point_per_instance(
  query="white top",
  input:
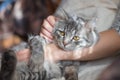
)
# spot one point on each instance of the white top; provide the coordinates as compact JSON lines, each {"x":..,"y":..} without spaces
{"x":105,"y":10}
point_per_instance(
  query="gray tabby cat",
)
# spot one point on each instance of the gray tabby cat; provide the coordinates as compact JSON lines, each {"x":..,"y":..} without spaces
{"x":71,"y":33}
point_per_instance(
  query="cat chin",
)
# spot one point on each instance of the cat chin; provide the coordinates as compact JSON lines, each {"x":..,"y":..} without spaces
{"x":73,"y":48}
{"x":64,"y":48}
{"x":68,"y":49}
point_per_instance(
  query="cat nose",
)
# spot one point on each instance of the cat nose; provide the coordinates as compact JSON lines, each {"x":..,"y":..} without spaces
{"x":64,"y":42}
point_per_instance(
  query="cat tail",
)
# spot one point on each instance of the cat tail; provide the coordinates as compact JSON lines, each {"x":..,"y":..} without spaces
{"x":8,"y":65}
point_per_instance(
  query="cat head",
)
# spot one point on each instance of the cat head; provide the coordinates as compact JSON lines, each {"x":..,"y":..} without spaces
{"x":75,"y":32}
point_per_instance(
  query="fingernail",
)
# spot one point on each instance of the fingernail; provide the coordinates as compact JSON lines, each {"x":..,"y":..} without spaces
{"x":51,"y":20}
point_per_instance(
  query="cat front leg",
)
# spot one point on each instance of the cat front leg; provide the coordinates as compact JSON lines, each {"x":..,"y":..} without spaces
{"x":36,"y":61}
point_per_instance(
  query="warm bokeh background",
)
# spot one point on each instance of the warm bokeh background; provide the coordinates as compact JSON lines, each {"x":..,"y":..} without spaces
{"x":14,"y":30}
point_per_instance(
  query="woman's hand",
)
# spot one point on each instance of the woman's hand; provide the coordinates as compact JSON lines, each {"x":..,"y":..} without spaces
{"x":47,"y":28}
{"x":23,"y":55}
{"x":46,"y":32}
{"x":53,"y":53}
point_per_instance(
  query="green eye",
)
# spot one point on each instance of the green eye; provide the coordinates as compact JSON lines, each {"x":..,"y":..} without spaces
{"x":76,"y":38}
{"x":62,"y":33}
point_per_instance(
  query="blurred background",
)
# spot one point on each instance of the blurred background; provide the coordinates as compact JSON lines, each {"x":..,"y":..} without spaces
{"x":18,"y":18}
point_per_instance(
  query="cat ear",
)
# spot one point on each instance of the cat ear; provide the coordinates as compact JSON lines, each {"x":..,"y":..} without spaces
{"x":60,"y":23}
{"x":80,"y":20}
{"x":64,"y":14}
{"x":91,"y":24}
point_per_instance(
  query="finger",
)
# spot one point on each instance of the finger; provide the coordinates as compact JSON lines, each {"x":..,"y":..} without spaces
{"x":51,"y":20}
{"x":46,"y":33}
{"x":25,"y":59}
{"x":23,"y":54}
{"x":47,"y":26}
{"x":49,"y":40}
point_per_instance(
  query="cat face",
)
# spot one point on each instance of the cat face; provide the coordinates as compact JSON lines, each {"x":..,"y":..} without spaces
{"x":74,"y":33}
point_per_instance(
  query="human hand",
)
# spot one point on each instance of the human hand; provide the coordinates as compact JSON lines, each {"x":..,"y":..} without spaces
{"x":47,"y":28}
{"x":23,"y":55}
{"x":54,"y":54}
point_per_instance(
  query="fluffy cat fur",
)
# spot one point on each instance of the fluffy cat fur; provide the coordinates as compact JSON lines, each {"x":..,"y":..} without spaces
{"x":74,"y":32}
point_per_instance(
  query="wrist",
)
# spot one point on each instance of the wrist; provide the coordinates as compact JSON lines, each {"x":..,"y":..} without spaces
{"x":54,"y":53}
{"x":66,"y":55}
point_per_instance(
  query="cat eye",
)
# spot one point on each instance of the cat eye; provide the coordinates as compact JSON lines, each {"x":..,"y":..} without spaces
{"x":62,"y":33}
{"x":76,"y":38}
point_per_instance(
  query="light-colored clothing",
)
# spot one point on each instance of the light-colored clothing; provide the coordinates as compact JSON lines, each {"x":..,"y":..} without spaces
{"x":105,"y":10}
{"x":116,"y":23}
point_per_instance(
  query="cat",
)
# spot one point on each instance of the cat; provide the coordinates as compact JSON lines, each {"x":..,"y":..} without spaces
{"x":72,"y":33}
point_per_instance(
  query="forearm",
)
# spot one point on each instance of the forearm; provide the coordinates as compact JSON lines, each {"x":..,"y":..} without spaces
{"x":108,"y":45}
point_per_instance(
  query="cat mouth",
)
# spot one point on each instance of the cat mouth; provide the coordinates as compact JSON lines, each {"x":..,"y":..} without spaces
{"x":66,"y":47}
{"x":69,"y":48}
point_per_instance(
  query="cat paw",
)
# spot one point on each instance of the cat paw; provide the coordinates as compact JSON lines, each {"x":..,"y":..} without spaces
{"x":8,"y":65}
{"x":9,"y":60}
{"x":37,"y":53}
{"x":36,"y":42}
